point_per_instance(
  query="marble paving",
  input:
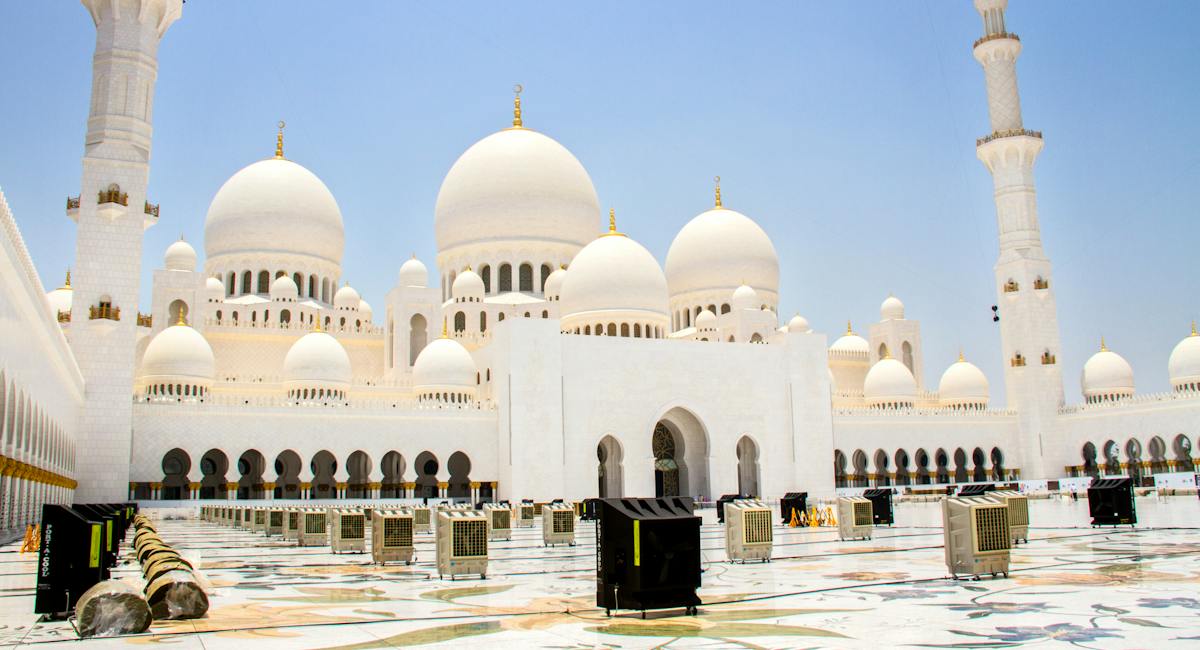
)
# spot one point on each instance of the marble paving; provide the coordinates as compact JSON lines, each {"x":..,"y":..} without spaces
{"x":1070,"y":586}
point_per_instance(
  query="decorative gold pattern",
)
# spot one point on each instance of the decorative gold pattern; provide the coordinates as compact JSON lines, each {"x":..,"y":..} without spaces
{"x":717,"y":198}
{"x":517,"y":123}
{"x":279,"y":141}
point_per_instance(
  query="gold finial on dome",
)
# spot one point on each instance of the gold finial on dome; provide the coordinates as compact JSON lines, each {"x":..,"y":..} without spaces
{"x":1193,"y":322}
{"x":318,"y":327}
{"x":279,"y":141}
{"x":445,"y":334}
{"x":1103,"y":347}
{"x":717,"y":182}
{"x":612,"y":225}
{"x":67,"y":285}
{"x":887,"y":353}
{"x":849,"y":330}
{"x":517,"y":124}
{"x":961,"y":358}
{"x":182,"y":320}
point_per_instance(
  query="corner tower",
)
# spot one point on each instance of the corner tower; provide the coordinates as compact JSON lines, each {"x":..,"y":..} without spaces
{"x":1028,"y":316}
{"x":112,"y":211}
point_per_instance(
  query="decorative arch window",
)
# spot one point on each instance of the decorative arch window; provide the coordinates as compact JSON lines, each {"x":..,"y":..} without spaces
{"x":1011,"y":286}
{"x":247,"y":282}
{"x":545,"y":313}
{"x":505,"y":279}
{"x":485,"y":273}
{"x":483,"y":321}
{"x":612,"y":329}
{"x":637,"y":330}
{"x":264,"y":282}
{"x":725,"y":308}
{"x":500,"y":317}
{"x":1018,"y":361}
{"x":526,"y":277}
{"x":460,"y":322}
{"x":1041,"y":283}
{"x":1048,"y":359}
{"x":545,"y":275}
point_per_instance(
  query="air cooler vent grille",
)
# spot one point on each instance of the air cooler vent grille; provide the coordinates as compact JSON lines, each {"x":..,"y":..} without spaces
{"x":756,"y":526}
{"x":1018,"y":511}
{"x":353,"y":526}
{"x":314,"y":523}
{"x":276,"y":519}
{"x":564,"y":521}
{"x":501,"y":519}
{"x":421,"y":516}
{"x":862,"y":514}
{"x":397,"y":532}
{"x":991,"y":529}
{"x":470,"y":538}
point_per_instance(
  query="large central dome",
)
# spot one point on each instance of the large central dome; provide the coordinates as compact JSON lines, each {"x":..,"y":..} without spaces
{"x":516,"y":186}
{"x":274,"y":207}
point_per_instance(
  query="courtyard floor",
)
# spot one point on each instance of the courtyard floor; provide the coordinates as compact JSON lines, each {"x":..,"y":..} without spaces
{"x":1071,"y":585}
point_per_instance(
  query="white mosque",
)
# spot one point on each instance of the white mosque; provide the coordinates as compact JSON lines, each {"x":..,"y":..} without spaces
{"x":548,"y":354}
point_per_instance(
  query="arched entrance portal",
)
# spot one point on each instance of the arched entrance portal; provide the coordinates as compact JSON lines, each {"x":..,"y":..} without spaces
{"x":747,"y":457}
{"x":680,"y":447}
{"x":610,"y":455}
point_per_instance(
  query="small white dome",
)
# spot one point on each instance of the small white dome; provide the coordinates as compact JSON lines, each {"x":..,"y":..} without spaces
{"x":889,"y":382}
{"x":444,"y":366}
{"x":60,"y":298}
{"x":516,"y":185}
{"x":215,"y":288}
{"x":613,"y":276}
{"x":798,"y":324}
{"x":467,"y":287}
{"x":364,"y":308}
{"x":963,"y":384}
{"x":271,"y":207}
{"x":744,"y":297}
{"x":346,"y":298}
{"x":850,"y":344}
{"x":414,"y":274}
{"x":719,"y":249}
{"x":316,"y":360}
{"x":1184,"y":364}
{"x":891,"y":309}
{"x":706,"y":321}
{"x":180,"y":256}
{"x":284,"y":288}
{"x":554,"y":283}
{"x":1106,"y":375}
{"x":178,"y":355}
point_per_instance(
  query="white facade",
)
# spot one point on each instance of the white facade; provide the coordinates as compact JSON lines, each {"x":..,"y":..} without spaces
{"x":548,"y":358}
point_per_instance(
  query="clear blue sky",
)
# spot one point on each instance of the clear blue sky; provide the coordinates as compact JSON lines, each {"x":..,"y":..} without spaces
{"x":846,"y":130}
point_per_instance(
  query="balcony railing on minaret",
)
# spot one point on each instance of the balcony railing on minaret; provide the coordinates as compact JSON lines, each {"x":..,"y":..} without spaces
{"x":104,"y":311}
{"x":1008,"y":133}
{"x":113,"y":195}
{"x":151,"y":209}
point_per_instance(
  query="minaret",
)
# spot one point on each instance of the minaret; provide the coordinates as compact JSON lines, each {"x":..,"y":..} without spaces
{"x":1028,"y":317}
{"x":112,"y":211}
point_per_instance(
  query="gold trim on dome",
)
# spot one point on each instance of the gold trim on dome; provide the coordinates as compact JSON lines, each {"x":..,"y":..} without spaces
{"x":67,"y":285}
{"x":849,"y":330}
{"x":1193,"y":322}
{"x":1103,"y":347}
{"x":961,"y":358}
{"x":717,"y":197}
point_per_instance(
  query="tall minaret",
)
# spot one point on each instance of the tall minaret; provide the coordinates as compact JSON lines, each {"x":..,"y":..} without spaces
{"x":112,"y":212}
{"x":1024,"y":282}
